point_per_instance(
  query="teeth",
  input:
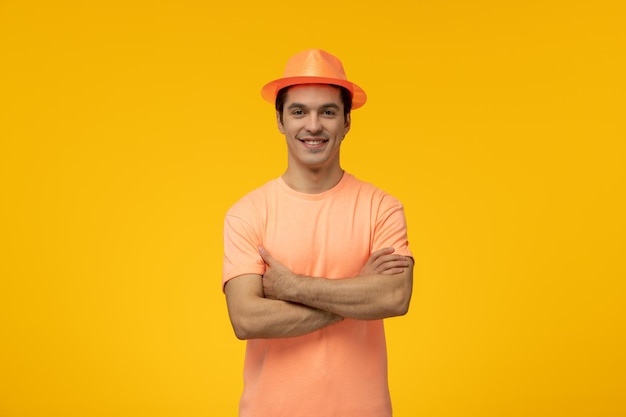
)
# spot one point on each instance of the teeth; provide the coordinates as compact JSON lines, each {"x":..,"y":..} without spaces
{"x":313,"y":142}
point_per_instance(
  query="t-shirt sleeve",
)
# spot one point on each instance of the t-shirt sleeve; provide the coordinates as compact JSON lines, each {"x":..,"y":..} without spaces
{"x":241,"y":254}
{"x":391,"y":229}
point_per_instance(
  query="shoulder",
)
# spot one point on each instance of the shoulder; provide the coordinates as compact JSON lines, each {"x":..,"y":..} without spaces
{"x":371,"y":192}
{"x":253,"y":201}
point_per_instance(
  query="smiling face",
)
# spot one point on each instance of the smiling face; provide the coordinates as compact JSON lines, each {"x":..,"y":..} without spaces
{"x":314,"y":125}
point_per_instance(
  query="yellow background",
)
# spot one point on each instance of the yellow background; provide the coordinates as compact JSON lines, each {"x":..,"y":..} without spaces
{"x":129,"y":127}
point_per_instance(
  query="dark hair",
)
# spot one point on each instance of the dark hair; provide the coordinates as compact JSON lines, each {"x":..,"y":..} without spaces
{"x":346,"y":98}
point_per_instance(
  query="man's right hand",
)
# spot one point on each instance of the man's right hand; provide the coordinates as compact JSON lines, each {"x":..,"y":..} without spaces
{"x":385,"y":262}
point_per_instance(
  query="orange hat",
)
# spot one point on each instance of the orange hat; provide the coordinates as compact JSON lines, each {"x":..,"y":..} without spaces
{"x":314,"y":66}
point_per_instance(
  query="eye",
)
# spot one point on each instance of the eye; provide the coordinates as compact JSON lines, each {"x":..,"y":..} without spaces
{"x":297,"y":112}
{"x":329,"y":113}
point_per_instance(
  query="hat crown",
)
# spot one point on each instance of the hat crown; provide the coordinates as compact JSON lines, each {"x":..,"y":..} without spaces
{"x":314,"y":66}
{"x":315,"y":63}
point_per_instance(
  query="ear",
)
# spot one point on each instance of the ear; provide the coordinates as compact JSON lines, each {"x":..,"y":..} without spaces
{"x":347,"y":124}
{"x":279,"y":123}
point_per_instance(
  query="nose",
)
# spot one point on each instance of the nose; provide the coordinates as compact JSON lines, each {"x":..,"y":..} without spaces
{"x":313,"y":123}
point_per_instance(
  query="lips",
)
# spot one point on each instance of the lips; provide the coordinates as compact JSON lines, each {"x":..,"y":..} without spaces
{"x":314,"y":141}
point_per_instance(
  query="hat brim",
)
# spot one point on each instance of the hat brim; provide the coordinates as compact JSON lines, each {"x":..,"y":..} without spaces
{"x":269,"y":90}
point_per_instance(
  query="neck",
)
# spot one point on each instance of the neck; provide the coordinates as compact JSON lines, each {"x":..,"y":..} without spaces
{"x":313,"y":181}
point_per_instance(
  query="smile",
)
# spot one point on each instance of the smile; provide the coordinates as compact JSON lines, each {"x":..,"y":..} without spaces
{"x":313,"y":142}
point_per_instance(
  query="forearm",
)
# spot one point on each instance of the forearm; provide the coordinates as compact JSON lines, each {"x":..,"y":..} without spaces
{"x":364,"y":298}
{"x":275,"y":318}
{"x":256,"y":317}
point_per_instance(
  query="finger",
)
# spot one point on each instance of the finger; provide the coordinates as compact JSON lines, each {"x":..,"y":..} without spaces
{"x":392,"y":271}
{"x":396,"y":264}
{"x":392,"y":258}
{"x":377,"y":257}
{"x":382,"y":252}
{"x":400,"y":260}
{"x":267,"y":258}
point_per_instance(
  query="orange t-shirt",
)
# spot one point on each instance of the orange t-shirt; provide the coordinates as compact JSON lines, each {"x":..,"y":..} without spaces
{"x":340,"y":370}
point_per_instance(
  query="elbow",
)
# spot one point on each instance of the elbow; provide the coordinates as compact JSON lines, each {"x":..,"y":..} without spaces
{"x":240,"y":333}
{"x":243,"y":330}
{"x":392,"y":304}
{"x":403,"y":307}
{"x":394,"y":308}
{"x":403,"y":294}
{"x":400,"y":307}
{"x":401,"y":301}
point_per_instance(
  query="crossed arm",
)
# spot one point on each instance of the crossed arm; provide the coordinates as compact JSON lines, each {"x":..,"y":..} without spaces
{"x":284,"y":304}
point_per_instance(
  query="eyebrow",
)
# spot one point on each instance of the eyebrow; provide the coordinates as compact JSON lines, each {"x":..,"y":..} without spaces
{"x":323,"y":106}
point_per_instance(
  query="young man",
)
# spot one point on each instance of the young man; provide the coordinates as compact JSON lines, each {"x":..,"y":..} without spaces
{"x":314,"y":260}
